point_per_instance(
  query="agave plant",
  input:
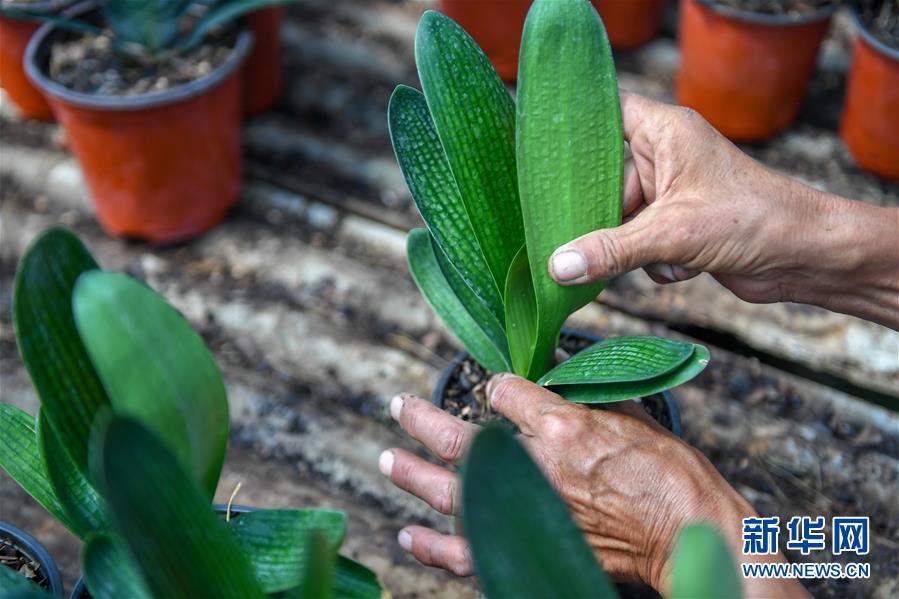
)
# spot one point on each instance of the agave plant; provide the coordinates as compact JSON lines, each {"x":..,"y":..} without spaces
{"x":103,"y":348}
{"x":151,"y":31}
{"x":524,"y":542}
{"x":500,"y":186}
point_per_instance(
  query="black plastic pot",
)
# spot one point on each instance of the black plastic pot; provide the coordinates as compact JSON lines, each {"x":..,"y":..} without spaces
{"x":664,"y":411}
{"x":28,"y":545}
{"x":80,"y":591}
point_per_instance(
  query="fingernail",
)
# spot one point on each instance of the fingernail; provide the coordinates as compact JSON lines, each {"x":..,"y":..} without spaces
{"x":568,"y":265}
{"x":396,"y":406}
{"x":385,"y":462}
{"x":491,"y":386}
{"x":405,"y":540}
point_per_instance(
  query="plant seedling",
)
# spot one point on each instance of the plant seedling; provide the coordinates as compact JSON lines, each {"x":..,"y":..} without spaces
{"x":111,"y":359}
{"x":500,"y":186}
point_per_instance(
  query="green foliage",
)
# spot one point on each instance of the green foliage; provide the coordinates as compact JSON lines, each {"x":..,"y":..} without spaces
{"x":109,"y":572}
{"x":16,"y":586}
{"x":501,"y":187}
{"x":702,"y":565}
{"x":152,"y":31}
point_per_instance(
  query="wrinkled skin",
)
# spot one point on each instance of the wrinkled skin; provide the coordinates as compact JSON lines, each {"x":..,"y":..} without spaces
{"x":631,"y":485}
{"x":693,"y":202}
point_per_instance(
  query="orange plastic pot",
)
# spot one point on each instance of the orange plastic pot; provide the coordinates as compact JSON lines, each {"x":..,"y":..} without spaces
{"x":869,"y":126}
{"x":263,"y":71}
{"x":163,"y":166}
{"x":746,"y":73}
{"x":631,"y":23}
{"x":14,"y":37}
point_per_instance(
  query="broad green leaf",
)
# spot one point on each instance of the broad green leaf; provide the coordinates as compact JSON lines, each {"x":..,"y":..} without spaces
{"x":155,"y":369}
{"x":431,"y":183}
{"x":570,"y":148}
{"x":317,"y":575}
{"x":222,"y":12}
{"x":523,"y":539}
{"x":59,"y":366}
{"x":150,"y":24}
{"x":81,"y":502}
{"x":620,"y":360}
{"x":352,"y":580}
{"x":703,"y":566}
{"x":475,"y":119}
{"x":609,"y":392}
{"x":437,"y":291}
{"x":15,"y":586}
{"x":109,"y":572}
{"x":521,"y":314}
{"x":20,"y":458}
{"x":181,"y":547}
{"x":273,"y":540}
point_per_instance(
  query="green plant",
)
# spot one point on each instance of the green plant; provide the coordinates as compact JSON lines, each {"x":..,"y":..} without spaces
{"x":501,"y":186}
{"x":103,"y":348}
{"x":152,"y":31}
{"x":524,"y":542}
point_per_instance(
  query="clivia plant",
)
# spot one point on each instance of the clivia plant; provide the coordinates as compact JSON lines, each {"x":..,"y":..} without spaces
{"x":500,"y":185}
{"x":128,"y":444}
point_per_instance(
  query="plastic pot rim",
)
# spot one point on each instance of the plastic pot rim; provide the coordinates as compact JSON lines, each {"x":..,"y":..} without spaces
{"x":754,"y":18}
{"x":174,"y":95}
{"x":868,"y":37}
{"x":37,"y":552}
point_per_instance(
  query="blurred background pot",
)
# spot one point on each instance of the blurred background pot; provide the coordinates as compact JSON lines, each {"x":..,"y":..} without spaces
{"x":263,"y":73}
{"x":496,"y":25}
{"x":162,"y":166}
{"x":746,"y":73}
{"x":870,"y":124}
{"x":16,"y":543}
{"x":14,"y":37}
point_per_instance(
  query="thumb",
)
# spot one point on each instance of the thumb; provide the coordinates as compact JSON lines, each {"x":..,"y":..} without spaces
{"x":607,"y":253}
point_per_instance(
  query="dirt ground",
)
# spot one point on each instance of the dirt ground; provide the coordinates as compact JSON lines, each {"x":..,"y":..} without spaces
{"x":305,"y":299}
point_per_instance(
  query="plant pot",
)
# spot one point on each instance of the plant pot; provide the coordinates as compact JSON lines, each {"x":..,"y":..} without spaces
{"x":631,"y":23}
{"x":496,"y":25}
{"x":869,"y":126}
{"x":263,"y":73}
{"x":14,"y":37}
{"x":27,"y":546}
{"x":746,"y":73}
{"x":661,"y":406}
{"x":162,"y":166}
{"x":80,"y":590}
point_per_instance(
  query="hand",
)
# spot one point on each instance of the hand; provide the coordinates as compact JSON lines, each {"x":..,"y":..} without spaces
{"x":693,"y":202}
{"x":630,"y":484}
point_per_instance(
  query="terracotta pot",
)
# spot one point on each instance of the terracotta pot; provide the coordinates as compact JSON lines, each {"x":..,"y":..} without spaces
{"x":746,"y":73}
{"x":631,"y":23}
{"x":163,"y":166}
{"x":496,"y":25}
{"x":263,"y":72}
{"x":869,"y":126}
{"x":14,"y":36}
{"x":24,"y":543}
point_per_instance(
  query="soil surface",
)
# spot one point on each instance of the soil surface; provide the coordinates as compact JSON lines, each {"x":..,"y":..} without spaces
{"x":778,"y":7}
{"x":881,"y":18}
{"x":88,"y":64}
{"x":465,"y":395}
{"x":12,"y":557}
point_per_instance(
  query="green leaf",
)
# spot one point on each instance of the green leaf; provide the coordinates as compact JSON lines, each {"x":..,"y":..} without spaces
{"x":432,"y":283}
{"x":15,"y":586}
{"x":182,"y":548}
{"x":222,"y":12}
{"x":475,"y":119}
{"x":109,"y":572}
{"x":352,"y":580}
{"x":59,"y":366}
{"x":20,"y":457}
{"x":81,"y":502}
{"x":619,"y":360}
{"x":521,"y":314}
{"x":150,"y":24}
{"x":273,"y":540}
{"x":570,"y":148}
{"x":609,"y":392}
{"x":317,"y":575}
{"x":523,"y":540}
{"x":703,"y":566}
{"x":431,"y":183}
{"x":156,"y":369}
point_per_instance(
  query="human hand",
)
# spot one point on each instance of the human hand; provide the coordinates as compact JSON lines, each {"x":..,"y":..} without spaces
{"x":630,"y":484}
{"x":693,"y":202}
